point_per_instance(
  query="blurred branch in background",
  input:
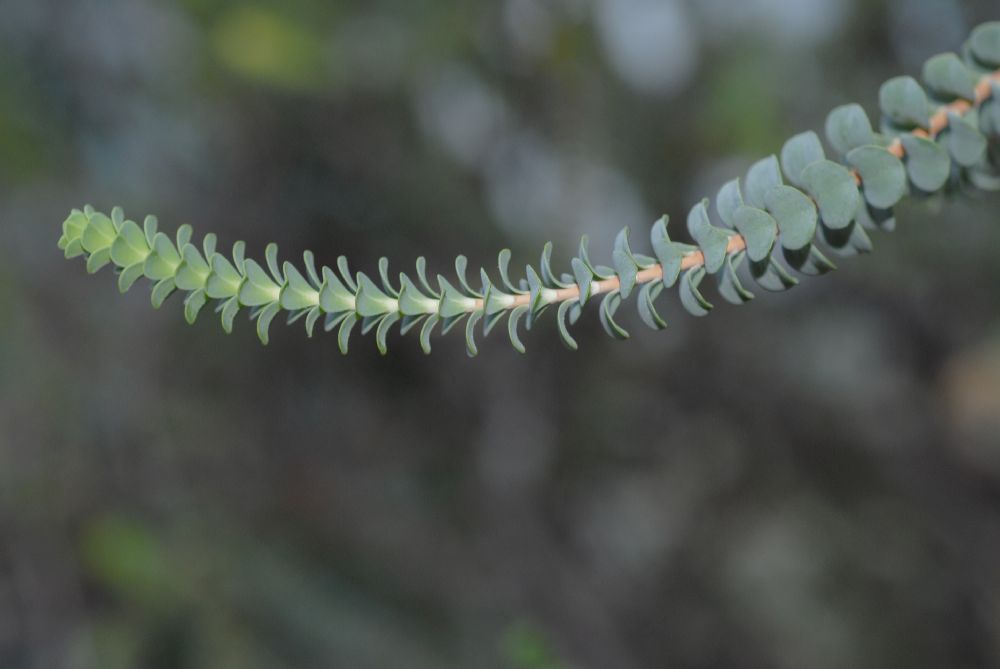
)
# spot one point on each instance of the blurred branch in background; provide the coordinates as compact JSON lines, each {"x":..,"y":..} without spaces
{"x":169,"y":502}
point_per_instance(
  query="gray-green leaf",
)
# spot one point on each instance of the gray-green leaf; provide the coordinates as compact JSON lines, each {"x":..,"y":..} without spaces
{"x":795,"y":214}
{"x":836,"y":193}
{"x":904,"y":102}
{"x":883,"y":177}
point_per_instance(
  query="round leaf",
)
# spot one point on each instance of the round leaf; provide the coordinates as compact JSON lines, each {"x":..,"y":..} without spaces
{"x":848,"y":127}
{"x":759,"y":229}
{"x":729,"y":199}
{"x":965,"y":143}
{"x":713,"y":241}
{"x":949,"y":77}
{"x":691,"y":296}
{"x":927,"y":163}
{"x":836,"y":194}
{"x":795,"y":214}
{"x":904,"y":102}
{"x":798,"y":153}
{"x":761,"y":177}
{"x":883,"y":177}
{"x":985,"y":43}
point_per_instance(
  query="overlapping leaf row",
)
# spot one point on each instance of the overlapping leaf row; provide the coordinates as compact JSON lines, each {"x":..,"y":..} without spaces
{"x":773,"y":221}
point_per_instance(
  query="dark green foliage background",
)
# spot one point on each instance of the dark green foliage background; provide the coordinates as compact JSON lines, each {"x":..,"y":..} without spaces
{"x":810,"y":481}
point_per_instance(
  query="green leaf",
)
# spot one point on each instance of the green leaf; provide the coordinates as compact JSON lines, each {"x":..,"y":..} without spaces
{"x":256,"y":275}
{"x":904,"y":102}
{"x":193,"y":304}
{"x":163,"y":260}
{"x":490,"y":321}
{"x":294,"y":316}
{"x":74,"y":248}
{"x":208,"y":245}
{"x":877,"y":219}
{"x":334,"y":297}
{"x":426,"y":331}
{"x":73,"y":227}
{"x":795,"y":214}
{"x":847,"y":128}
{"x":770,"y":275}
{"x":563,"y":328}
{"x":161,"y":291}
{"x":264,"y":321}
{"x":130,"y":246}
{"x":949,"y":78}
{"x":258,"y":289}
{"x":535,"y":290}
{"x":149,"y":226}
{"x":239,"y":256}
{"x":584,"y":279}
{"x":799,"y":153}
{"x":494,"y":299}
{"x":297,"y":292}
{"x":986,"y":180}
{"x":730,"y":286}
{"x":192,"y":274}
{"x":229,"y":310}
{"x":836,"y":193}
{"x":371,"y":301}
{"x":414,"y":303}
{"x":453,"y":302}
{"x":989,"y":112}
{"x":117,"y":217}
{"x":461,"y":264}
{"x":761,"y":178}
{"x":985,"y":44}
{"x":390,"y":290}
{"x":410,"y":322}
{"x":385,"y":324}
{"x":224,"y":281}
{"x":713,"y":241}
{"x":927,"y":163}
{"x":512,"y":323}
{"x":98,"y":259}
{"x":183,"y":236}
{"x":311,"y":319}
{"x":609,"y":305}
{"x":759,"y":229}
{"x":470,"y":333}
{"x":345,"y":330}
{"x":809,"y":261}
{"x":545,"y":267}
{"x":624,"y":263}
{"x":691,"y":296}
{"x":964,"y":141}
{"x":99,"y":233}
{"x":447,"y":324}
{"x":503,"y":262}
{"x":728,"y":200}
{"x":848,"y":241}
{"x":193,"y":258}
{"x":129,"y":276}
{"x":575,"y":311}
{"x":670,"y":254}
{"x":599,"y":271}
{"x":860,"y":241}
{"x":883,"y":177}
{"x":311,"y":272}
{"x":422,"y":277}
{"x":647,"y":309}
{"x":345,"y":273}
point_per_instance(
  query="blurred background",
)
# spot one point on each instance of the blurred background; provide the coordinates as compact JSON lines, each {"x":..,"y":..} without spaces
{"x":810,"y":481}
